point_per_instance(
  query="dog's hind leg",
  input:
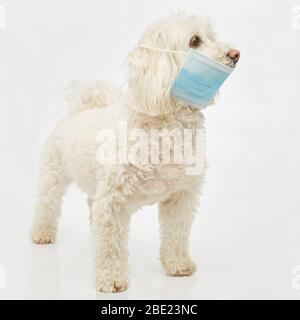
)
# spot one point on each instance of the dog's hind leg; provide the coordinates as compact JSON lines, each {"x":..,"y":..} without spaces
{"x":53,"y":182}
{"x":176,"y":216}
{"x":89,"y":203}
{"x":111,"y":212}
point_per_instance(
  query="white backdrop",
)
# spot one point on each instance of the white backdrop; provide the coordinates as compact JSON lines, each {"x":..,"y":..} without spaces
{"x":246,"y":238}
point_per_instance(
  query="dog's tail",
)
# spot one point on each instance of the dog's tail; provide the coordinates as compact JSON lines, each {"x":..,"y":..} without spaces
{"x":83,"y":95}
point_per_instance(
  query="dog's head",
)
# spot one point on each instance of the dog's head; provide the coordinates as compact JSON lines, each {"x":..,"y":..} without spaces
{"x":152,"y":72}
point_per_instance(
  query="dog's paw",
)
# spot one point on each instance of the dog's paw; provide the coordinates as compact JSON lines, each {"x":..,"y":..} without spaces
{"x":111,"y":286}
{"x":43,"y":234}
{"x":179,"y":268}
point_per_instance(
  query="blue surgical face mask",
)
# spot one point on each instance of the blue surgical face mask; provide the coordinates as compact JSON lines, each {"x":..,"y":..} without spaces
{"x":199,"y":79}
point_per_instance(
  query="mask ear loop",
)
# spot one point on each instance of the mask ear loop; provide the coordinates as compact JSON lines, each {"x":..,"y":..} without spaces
{"x":185,"y":53}
{"x":162,"y":49}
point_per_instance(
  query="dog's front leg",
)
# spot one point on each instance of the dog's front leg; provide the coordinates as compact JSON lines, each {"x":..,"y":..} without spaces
{"x":176,"y":216}
{"x":110,"y":225}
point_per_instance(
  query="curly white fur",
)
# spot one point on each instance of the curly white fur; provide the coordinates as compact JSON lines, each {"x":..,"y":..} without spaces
{"x":115,"y":192}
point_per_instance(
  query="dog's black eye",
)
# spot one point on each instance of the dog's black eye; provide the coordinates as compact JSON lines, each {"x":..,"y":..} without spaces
{"x":195,"y":42}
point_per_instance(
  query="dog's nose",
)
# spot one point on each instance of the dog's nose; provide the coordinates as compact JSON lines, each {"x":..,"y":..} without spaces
{"x":234,"y":55}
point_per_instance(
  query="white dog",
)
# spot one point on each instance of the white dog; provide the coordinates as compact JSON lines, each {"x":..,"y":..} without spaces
{"x":116,"y":191}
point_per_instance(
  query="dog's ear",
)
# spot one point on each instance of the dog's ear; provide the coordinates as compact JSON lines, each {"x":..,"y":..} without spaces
{"x":151,"y":74}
